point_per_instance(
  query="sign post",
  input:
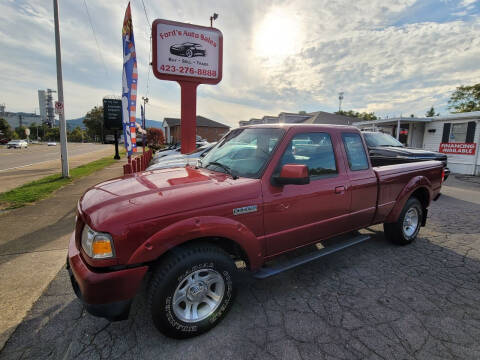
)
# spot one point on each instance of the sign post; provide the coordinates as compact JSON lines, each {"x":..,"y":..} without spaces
{"x":190,"y":55}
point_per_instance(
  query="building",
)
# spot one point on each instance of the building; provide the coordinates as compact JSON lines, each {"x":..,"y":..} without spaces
{"x":16,"y":119}
{"x":207,"y":129}
{"x":457,"y":135}
{"x":411,"y":129}
{"x":317,"y":117}
{"x":42,"y":105}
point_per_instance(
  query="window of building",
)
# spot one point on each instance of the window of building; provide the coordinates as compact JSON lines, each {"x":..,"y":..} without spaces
{"x":315,"y":150}
{"x":458,"y":133}
{"x":357,"y":158}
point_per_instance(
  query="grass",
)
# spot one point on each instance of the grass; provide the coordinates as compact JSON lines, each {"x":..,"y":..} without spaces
{"x":40,"y":189}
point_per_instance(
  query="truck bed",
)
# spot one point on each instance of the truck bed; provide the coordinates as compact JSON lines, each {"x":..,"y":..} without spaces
{"x":393,"y":180}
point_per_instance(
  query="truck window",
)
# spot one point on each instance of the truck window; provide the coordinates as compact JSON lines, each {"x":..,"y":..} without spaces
{"x":314,"y":150}
{"x":357,"y":158}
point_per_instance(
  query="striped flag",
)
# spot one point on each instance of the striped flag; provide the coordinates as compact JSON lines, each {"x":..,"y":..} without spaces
{"x":129,"y":84}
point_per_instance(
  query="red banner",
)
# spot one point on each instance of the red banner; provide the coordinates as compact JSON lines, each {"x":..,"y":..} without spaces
{"x":458,"y":148}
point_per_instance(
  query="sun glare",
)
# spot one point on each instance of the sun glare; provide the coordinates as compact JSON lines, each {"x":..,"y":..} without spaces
{"x":278,"y":35}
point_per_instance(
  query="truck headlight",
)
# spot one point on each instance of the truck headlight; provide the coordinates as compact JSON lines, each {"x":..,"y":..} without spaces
{"x":97,"y":245}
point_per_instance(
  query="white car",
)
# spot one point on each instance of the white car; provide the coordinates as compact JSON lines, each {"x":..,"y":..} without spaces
{"x":180,"y":160}
{"x":17,"y":144}
{"x":52,"y":143}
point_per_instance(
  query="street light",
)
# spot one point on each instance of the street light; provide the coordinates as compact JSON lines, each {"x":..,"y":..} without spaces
{"x":213,"y":17}
{"x":340,"y":98}
{"x":144,"y":127}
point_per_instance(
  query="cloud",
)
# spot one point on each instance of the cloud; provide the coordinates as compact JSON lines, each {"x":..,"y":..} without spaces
{"x":397,"y":57}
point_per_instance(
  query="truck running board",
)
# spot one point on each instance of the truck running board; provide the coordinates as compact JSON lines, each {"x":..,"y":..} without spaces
{"x":265,"y":272}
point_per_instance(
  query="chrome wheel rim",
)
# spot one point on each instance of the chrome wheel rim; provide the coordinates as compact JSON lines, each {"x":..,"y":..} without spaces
{"x":198,"y":295}
{"x":410,"y":222}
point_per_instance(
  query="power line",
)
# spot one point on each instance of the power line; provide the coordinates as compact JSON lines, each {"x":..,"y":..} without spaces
{"x":95,"y":37}
{"x":146,"y":15}
{"x":150,"y":46}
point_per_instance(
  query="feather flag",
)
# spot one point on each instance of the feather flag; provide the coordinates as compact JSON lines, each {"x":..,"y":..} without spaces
{"x":129,"y":84}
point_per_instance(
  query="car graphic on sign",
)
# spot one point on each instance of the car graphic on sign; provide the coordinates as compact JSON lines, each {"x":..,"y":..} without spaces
{"x":188,"y":50}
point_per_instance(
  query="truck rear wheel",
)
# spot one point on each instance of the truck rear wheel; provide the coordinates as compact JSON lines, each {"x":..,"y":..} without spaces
{"x":192,"y":290}
{"x":406,"y":229}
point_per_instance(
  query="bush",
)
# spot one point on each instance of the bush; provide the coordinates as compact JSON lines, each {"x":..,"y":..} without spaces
{"x":155,"y":138}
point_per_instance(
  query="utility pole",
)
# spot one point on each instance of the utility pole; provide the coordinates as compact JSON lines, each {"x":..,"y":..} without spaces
{"x":340,"y":99}
{"x":63,"y":127}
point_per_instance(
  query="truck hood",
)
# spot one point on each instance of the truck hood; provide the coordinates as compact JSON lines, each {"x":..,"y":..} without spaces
{"x":153,"y":194}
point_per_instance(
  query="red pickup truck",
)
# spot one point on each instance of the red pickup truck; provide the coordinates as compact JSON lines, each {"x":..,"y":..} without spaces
{"x":260,"y":192}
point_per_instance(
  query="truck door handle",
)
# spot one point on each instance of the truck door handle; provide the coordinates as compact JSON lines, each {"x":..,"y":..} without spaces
{"x":339,"y":189}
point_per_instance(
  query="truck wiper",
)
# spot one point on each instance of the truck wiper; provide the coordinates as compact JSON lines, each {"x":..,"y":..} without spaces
{"x":224,"y":167}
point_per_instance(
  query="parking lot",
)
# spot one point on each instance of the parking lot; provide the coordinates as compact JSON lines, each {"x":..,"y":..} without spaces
{"x":372,"y":301}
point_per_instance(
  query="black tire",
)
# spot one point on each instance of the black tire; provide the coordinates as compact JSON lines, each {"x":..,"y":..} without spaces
{"x":189,"y":53}
{"x":396,"y":232}
{"x":174,"y":271}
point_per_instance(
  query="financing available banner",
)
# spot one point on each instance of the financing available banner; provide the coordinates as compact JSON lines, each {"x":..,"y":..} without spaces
{"x":458,"y":148}
{"x":129,"y":84}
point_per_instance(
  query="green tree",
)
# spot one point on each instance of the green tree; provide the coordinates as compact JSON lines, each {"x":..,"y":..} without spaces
{"x":430,"y":113}
{"x":76,"y":135}
{"x":20,"y":130}
{"x":94,"y":122}
{"x":352,"y":113}
{"x":5,"y":129}
{"x":465,"y":99}
{"x":52,"y":134}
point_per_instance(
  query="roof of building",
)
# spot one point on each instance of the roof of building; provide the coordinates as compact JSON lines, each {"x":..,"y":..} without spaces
{"x":201,"y":121}
{"x":322,"y":117}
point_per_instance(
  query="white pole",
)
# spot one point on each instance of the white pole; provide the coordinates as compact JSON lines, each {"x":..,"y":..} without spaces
{"x":63,"y":125}
{"x":398,"y":129}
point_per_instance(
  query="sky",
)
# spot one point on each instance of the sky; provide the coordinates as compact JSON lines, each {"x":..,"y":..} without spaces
{"x":396,"y":57}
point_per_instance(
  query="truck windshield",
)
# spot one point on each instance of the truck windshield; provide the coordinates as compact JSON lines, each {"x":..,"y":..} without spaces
{"x":381,"y":139}
{"x":243,"y":152}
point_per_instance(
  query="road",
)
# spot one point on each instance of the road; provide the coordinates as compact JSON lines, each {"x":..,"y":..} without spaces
{"x":372,"y":301}
{"x":16,"y":158}
{"x":19,"y":166}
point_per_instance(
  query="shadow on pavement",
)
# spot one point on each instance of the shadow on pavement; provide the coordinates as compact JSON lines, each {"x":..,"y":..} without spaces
{"x":375,"y":300}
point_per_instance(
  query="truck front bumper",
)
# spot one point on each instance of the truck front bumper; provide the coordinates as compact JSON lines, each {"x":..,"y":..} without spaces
{"x":107,"y":294}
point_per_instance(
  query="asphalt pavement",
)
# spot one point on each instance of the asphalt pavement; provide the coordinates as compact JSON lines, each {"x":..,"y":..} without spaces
{"x":371,"y":301}
{"x":18,"y":166}
{"x":34,"y":154}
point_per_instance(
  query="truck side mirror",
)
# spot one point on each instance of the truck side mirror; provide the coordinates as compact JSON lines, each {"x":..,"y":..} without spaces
{"x":293,"y":174}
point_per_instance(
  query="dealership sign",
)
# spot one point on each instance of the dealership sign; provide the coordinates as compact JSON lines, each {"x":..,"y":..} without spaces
{"x":458,"y":148}
{"x":191,"y":55}
{"x":186,"y":52}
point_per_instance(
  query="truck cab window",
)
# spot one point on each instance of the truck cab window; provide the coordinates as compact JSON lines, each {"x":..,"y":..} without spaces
{"x":314,"y":150}
{"x":357,"y":158}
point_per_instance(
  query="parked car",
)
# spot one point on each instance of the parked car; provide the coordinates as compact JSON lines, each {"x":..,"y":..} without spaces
{"x":52,"y":143}
{"x":180,"y":160}
{"x":384,"y":149}
{"x":189,"y":226}
{"x":4,"y":141}
{"x":17,"y":144}
{"x":188,"y":49}
{"x":175,"y":150}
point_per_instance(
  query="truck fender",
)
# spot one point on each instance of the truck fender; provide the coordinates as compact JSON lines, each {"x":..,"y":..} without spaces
{"x":413,"y":185}
{"x":195,"y":228}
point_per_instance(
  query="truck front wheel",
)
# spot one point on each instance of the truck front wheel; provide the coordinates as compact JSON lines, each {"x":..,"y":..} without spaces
{"x":192,"y":290}
{"x":406,"y":229}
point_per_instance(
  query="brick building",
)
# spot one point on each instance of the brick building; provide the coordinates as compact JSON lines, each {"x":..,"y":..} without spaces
{"x":207,"y":129}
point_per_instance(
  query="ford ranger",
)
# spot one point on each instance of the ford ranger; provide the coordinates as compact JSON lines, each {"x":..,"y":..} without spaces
{"x":262,"y":191}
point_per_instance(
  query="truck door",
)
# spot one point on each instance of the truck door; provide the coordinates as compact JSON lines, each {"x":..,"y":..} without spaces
{"x":363,"y":181}
{"x":296,"y":215}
